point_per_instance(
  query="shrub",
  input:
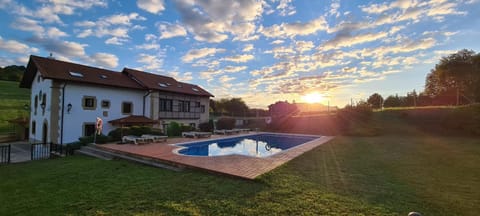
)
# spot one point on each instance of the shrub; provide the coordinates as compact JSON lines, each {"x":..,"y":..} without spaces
{"x":206,"y":126}
{"x":464,"y":118}
{"x":225,"y":123}
{"x":174,"y":129}
{"x":100,"y":139}
{"x":362,"y":111}
{"x":186,"y":128}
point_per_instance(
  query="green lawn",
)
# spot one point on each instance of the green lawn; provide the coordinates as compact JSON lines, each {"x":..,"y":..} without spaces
{"x":392,"y":174}
{"x":12,"y":102}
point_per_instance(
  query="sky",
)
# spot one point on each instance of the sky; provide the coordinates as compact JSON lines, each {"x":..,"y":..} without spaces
{"x":260,"y":50}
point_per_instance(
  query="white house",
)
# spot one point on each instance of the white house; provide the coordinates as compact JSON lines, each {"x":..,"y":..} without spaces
{"x":66,"y":99}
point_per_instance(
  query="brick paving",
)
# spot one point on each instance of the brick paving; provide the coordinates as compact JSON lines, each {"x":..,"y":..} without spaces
{"x":233,"y":165}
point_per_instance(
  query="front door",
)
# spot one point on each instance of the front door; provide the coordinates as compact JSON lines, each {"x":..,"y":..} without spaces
{"x":45,"y":132}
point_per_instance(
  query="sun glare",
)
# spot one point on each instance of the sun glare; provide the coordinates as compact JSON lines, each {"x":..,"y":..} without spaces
{"x":313,"y":97}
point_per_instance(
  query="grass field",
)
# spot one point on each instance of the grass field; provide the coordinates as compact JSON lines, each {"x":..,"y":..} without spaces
{"x":12,"y":102}
{"x":405,"y":169}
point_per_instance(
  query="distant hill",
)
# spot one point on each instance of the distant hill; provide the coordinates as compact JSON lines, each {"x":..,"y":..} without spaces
{"x":12,"y":73}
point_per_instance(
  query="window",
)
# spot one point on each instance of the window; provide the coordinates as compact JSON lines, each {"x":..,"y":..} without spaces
{"x":34,"y":125}
{"x":165,"y":105}
{"x":202,"y":108}
{"x":163,"y":85}
{"x":127,"y":108}
{"x":88,"y":129}
{"x":76,"y":74}
{"x":184,"y":106}
{"x":89,"y":103}
{"x":36,"y":103}
{"x":192,"y":125}
{"x":197,"y":104}
{"x":105,"y":104}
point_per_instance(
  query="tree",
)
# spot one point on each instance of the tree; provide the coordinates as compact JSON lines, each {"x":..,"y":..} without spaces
{"x":392,"y":101}
{"x":375,"y":100}
{"x":12,"y":73}
{"x":411,"y":99}
{"x":458,"y":73}
{"x":233,"y":106}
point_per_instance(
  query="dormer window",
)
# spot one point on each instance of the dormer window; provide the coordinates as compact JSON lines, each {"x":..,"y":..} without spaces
{"x":103,"y":76}
{"x":195,"y":89}
{"x":163,"y":85}
{"x":179,"y":85}
{"x":76,"y":74}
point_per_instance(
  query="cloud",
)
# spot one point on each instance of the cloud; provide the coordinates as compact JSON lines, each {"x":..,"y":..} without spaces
{"x":247,"y":48}
{"x":295,"y":29}
{"x":213,"y":20}
{"x":148,"y":46}
{"x":168,"y":30}
{"x":286,"y":8}
{"x":345,"y":39}
{"x":116,"y":41}
{"x":183,"y":77}
{"x":303,"y":46}
{"x":200,"y":53}
{"x":277,"y":42}
{"x":49,"y":11}
{"x":14,"y":46}
{"x":104,"y":59}
{"x":122,"y":19}
{"x":239,"y":58}
{"x":151,"y":62}
{"x":152,"y":6}
{"x":26,"y":24}
{"x":54,"y":32}
{"x":116,"y":27}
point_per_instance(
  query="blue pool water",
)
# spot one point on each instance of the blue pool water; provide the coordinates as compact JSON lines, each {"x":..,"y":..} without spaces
{"x":258,"y":145}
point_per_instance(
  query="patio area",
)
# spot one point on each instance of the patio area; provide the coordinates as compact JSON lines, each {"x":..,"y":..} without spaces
{"x":232,"y":165}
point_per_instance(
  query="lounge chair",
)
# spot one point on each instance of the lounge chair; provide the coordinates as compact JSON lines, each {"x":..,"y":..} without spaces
{"x":155,"y":138}
{"x":135,"y":139}
{"x":195,"y":134}
{"x":220,"y":132}
{"x":203,"y":134}
{"x":189,"y":134}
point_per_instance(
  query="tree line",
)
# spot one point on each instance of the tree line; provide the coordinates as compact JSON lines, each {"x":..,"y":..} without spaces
{"x":12,"y":73}
{"x":455,"y":80}
{"x":234,"y":107}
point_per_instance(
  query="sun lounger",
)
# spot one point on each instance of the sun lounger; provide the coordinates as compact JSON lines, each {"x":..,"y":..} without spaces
{"x":220,"y":132}
{"x":155,"y":138}
{"x":189,"y":134}
{"x":225,"y":132}
{"x":195,"y":134}
{"x":135,"y":139}
{"x":203,"y":134}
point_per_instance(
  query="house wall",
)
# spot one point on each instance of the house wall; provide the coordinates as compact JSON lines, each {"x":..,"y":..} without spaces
{"x":40,"y":87}
{"x":78,"y":116}
{"x":185,"y":118}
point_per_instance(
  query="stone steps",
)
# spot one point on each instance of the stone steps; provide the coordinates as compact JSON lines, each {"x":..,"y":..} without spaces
{"x":93,"y":151}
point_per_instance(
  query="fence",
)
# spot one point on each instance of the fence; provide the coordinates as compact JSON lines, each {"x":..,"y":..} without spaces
{"x":5,"y":154}
{"x":40,"y":151}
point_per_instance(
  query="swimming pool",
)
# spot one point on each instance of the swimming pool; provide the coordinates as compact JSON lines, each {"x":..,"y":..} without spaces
{"x":257,"y":145}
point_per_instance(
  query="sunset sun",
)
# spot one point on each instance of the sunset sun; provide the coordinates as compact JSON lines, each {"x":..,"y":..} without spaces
{"x":313,"y":97}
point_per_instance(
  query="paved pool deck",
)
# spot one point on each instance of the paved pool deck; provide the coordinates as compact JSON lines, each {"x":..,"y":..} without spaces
{"x":232,"y":165}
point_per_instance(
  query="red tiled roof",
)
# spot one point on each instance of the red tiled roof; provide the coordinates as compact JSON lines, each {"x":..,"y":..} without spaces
{"x":132,"y":120}
{"x":164,"y":83}
{"x":60,"y":70}
{"x":128,"y":78}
